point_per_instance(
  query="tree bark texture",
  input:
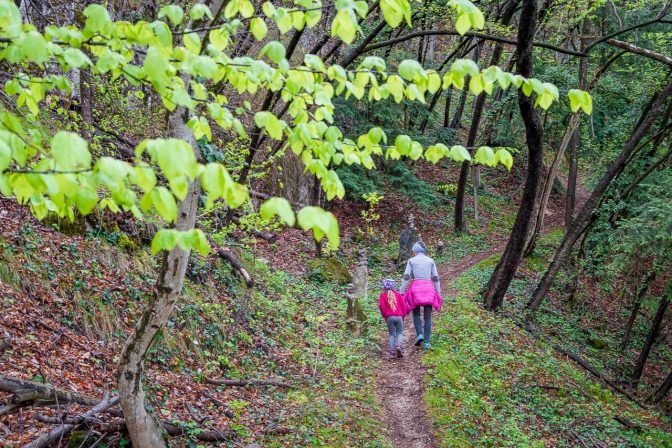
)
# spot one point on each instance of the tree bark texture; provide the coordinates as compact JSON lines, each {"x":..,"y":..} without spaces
{"x":508,"y":263}
{"x":585,"y":215}
{"x":637,"y":304}
{"x":651,"y":338}
{"x":143,"y":429}
{"x":663,"y":390}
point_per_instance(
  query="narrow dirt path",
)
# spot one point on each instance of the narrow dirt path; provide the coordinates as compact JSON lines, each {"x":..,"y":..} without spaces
{"x":400,"y":391}
{"x":400,"y":381}
{"x":400,"y":387}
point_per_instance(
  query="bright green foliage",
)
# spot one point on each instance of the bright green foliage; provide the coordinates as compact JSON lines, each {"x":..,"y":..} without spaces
{"x":280,"y":207}
{"x":580,"y":99}
{"x":321,"y":222}
{"x":187,"y":70}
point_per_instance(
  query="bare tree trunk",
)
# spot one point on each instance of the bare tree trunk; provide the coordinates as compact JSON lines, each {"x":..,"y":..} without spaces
{"x":86,"y":101}
{"x":663,"y":390}
{"x":508,"y":264}
{"x":446,"y":112}
{"x":538,"y":227}
{"x":570,"y":200}
{"x":636,"y":306}
{"x":651,"y":338}
{"x":585,"y":216}
{"x":456,"y":123}
{"x":144,"y":429}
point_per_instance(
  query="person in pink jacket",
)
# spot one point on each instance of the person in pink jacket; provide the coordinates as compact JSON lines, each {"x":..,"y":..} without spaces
{"x":393,"y":308}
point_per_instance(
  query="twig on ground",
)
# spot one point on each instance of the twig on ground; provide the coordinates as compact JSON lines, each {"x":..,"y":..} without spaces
{"x":243,"y":383}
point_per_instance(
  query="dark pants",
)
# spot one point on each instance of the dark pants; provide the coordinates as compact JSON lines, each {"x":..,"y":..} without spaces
{"x":428,"y":321}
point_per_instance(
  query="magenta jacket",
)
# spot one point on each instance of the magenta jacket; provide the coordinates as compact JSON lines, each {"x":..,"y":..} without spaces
{"x":385,"y":310}
{"x":422,"y":292}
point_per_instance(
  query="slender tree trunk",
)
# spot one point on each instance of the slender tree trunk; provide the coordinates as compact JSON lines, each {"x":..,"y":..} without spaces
{"x":479,"y":105}
{"x":585,"y":215}
{"x":501,"y":278}
{"x":572,"y":177}
{"x":86,"y":101}
{"x":663,"y":390}
{"x":446,"y":112}
{"x":143,"y":428}
{"x":570,"y":136}
{"x":545,"y":196}
{"x":651,"y":338}
{"x":637,"y":304}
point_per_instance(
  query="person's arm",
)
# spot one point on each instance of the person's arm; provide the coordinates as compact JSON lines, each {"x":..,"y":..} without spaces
{"x":380,"y":305}
{"x":435,"y":278}
{"x":407,"y":277}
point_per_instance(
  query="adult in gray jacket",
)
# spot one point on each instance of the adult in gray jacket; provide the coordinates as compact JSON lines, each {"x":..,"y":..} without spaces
{"x":424,"y":292}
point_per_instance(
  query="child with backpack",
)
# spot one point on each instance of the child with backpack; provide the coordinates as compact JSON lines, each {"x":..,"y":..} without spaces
{"x":393,"y":308}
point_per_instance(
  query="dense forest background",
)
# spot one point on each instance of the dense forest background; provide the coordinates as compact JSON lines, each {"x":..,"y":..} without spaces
{"x":198,"y":201}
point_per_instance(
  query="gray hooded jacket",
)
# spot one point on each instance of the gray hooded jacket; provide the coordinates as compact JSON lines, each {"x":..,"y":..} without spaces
{"x":421,"y":267}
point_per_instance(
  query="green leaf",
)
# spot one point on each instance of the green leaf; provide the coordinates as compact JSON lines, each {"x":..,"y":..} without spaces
{"x":485,"y":156}
{"x":86,"y":199}
{"x":200,"y":127}
{"x":392,"y":12}
{"x":10,"y":18}
{"x":280,"y":207}
{"x":321,"y":222}
{"x":580,"y":99}
{"x":164,"y":239}
{"x":344,"y":26}
{"x":258,"y":28}
{"x":266,"y":120}
{"x":5,"y":156}
{"x":505,"y":158}
{"x":409,"y":69}
{"x":192,"y":43}
{"x":403,"y":144}
{"x":70,"y":152}
{"x":76,"y":58}
{"x":34,"y":47}
{"x":219,"y":38}
{"x":274,"y":50}
{"x":173,"y":12}
{"x":436,"y":152}
{"x":97,"y":19}
{"x":200,"y":242}
{"x":164,"y":203}
{"x":199,"y":10}
{"x":463,"y":23}
{"x":459,"y":153}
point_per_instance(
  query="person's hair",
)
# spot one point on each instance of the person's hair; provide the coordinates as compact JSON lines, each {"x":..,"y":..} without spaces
{"x":391,"y":300}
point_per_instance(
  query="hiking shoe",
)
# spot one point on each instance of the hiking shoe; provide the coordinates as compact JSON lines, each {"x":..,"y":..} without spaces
{"x":419,"y":340}
{"x":399,"y":353}
{"x":392,"y":355}
{"x":427,"y":346}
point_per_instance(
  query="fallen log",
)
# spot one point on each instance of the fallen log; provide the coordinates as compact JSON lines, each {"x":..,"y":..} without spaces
{"x":28,"y":392}
{"x":528,"y":326}
{"x":172,"y":429}
{"x":206,"y":435}
{"x":57,"y":434}
{"x":583,"y":363}
{"x":243,"y":383}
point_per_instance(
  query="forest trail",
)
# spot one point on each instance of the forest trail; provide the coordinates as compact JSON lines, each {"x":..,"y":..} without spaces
{"x":400,"y":382}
